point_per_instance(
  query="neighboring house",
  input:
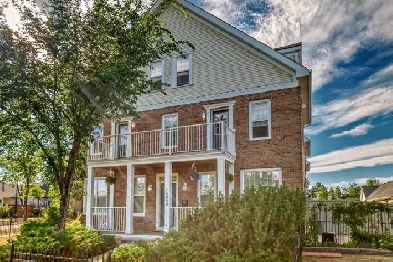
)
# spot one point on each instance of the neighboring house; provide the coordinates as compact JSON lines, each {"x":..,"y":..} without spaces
{"x":234,"y":106}
{"x":383,"y":193}
{"x":365,"y":191}
{"x":9,"y":192}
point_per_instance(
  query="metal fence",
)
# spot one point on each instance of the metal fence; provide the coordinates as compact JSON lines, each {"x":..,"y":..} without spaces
{"x":379,"y":222}
{"x":10,"y":226}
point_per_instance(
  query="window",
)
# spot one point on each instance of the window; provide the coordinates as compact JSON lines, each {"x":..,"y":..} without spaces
{"x":97,"y":141}
{"x":206,"y":189}
{"x":260,"y":120}
{"x":260,"y":177}
{"x":139,"y":196}
{"x":100,"y":192}
{"x":156,"y":74}
{"x":182,"y":71}
{"x":169,"y":133}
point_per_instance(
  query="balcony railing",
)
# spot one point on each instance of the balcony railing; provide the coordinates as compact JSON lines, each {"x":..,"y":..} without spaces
{"x":195,"y":138}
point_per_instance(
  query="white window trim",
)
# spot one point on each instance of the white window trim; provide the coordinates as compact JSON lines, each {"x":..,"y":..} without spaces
{"x":163,"y":146}
{"x":250,"y":120}
{"x":259,"y":170}
{"x":144,"y":198}
{"x":84,"y":200}
{"x":199,"y":185}
{"x":148,"y":72}
{"x":174,"y":71}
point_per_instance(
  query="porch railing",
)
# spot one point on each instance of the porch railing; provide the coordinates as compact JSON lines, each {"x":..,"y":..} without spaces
{"x":194,"y":138}
{"x":179,"y":213}
{"x":109,"y":219}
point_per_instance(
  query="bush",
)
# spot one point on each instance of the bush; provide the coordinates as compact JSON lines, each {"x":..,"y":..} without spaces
{"x":138,"y":251}
{"x":258,"y":225}
{"x":4,"y":252}
{"x":43,"y":236}
{"x":5,"y":211}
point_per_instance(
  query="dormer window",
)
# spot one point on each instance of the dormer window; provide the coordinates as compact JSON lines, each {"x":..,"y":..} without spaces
{"x":156,"y":74}
{"x":182,"y":71}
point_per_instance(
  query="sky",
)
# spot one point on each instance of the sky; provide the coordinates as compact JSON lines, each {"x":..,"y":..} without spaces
{"x":349,"y":47}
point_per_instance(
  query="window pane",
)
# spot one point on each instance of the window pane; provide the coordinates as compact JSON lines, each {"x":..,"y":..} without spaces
{"x":100,"y":201}
{"x":207,"y":184}
{"x":139,"y":186}
{"x":263,"y":178}
{"x":183,"y":78}
{"x":170,"y":121}
{"x":260,"y":131}
{"x":205,"y":200}
{"x":260,"y":119}
{"x":182,"y":64}
{"x":156,"y":70}
{"x":139,"y":204}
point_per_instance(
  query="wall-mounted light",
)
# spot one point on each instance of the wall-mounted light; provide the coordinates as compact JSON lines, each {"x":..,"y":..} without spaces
{"x":133,"y":124}
{"x":184,"y":186}
{"x":204,"y":115}
{"x":150,"y":187}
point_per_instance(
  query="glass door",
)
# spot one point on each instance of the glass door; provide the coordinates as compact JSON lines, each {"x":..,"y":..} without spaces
{"x":219,"y":132}
{"x":124,"y":133}
{"x":161,"y":200}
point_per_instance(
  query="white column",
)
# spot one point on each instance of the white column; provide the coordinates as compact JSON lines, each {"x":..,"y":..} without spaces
{"x":90,"y":197}
{"x":209,"y":129}
{"x":111,"y":204}
{"x":168,"y":196}
{"x":130,"y":199}
{"x":113,"y":140}
{"x":221,"y":176}
{"x":232,"y":171}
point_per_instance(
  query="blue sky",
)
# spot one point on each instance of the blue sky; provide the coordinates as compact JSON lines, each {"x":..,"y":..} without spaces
{"x":349,"y":46}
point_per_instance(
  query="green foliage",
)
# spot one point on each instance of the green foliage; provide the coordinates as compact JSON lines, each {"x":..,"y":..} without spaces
{"x":5,"y":211}
{"x":130,"y":253}
{"x":373,"y":182}
{"x":37,"y":192}
{"x":68,"y":67}
{"x":312,"y":232}
{"x":4,"y":252}
{"x":257,"y":225}
{"x":43,"y":236}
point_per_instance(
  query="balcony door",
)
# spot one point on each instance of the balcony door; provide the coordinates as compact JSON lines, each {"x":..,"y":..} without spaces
{"x":219,"y":132}
{"x":123,"y":132}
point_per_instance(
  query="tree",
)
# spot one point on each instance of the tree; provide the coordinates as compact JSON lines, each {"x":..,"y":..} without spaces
{"x":351,"y":192}
{"x":323,"y":193}
{"x":37,"y":192}
{"x":337,"y":192}
{"x":373,"y":182}
{"x":20,"y":164}
{"x":71,"y":65}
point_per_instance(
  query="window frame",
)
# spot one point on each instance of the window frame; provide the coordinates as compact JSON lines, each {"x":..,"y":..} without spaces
{"x":250,"y":131}
{"x":163,"y":139}
{"x":162,"y":73}
{"x":144,"y":197}
{"x":189,"y":56}
{"x":243,"y":171}
{"x":214,"y":174}
{"x":94,"y":197}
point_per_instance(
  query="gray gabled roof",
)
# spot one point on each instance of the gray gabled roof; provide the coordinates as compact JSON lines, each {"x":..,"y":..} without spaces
{"x":252,"y":42}
{"x":383,"y":192}
{"x":367,"y":190}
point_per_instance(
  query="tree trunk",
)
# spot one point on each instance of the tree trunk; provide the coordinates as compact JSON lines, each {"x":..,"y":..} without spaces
{"x":66,"y":182}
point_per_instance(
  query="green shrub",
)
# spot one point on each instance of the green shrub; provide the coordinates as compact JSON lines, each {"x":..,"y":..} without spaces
{"x":258,"y":225}
{"x":138,"y":251}
{"x":5,"y":211}
{"x":4,"y":252}
{"x":43,"y":236}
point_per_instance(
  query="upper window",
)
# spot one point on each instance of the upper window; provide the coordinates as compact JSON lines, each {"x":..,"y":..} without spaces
{"x":170,"y":130}
{"x":139,"y":196}
{"x":260,"y":120}
{"x":260,"y":177}
{"x":182,"y":71}
{"x":156,"y":74}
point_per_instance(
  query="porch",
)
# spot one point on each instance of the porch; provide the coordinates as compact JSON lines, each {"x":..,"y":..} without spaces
{"x":208,"y":137}
{"x":150,"y":198}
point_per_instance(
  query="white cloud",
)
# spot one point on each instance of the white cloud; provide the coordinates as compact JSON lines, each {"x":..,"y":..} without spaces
{"x":356,"y":131}
{"x":361,"y":181}
{"x":369,"y":155}
{"x":331,"y":31}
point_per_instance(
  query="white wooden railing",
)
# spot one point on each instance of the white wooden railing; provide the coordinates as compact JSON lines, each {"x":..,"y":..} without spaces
{"x":179,"y":213}
{"x":194,"y":138}
{"x":109,"y":219}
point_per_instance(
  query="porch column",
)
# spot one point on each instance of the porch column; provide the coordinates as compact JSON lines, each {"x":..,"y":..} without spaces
{"x":113,"y":141}
{"x":111,"y":205}
{"x":168,"y":196}
{"x":232,"y":171}
{"x":89,"y":197}
{"x":130,"y":199}
{"x":221,"y":176}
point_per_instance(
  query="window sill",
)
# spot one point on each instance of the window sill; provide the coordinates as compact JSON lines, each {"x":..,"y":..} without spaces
{"x":259,"y":138}
{"x":187,"y":85}
{"x":138,"y":215}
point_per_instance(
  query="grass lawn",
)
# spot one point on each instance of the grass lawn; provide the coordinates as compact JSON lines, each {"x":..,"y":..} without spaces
{"x":352,"y":258}
{"x":3,"y":239}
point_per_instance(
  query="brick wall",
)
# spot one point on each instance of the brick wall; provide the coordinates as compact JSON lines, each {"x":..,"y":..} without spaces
{"x":283,"y":150}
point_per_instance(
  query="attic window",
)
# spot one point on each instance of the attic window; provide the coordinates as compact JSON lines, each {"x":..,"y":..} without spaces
{"x":182,"y":71}
{"x":156,"y":74}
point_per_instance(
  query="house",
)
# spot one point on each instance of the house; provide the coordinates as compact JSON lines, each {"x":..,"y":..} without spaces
{"x":233,"y":117}
{"x":382,"y":193}
{"x":365,"y":192}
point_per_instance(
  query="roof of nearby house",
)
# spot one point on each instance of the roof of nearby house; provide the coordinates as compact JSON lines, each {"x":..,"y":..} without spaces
{"x":367,"y":190}
{"x":7,"y":190}
{"x":383,"y":192}
{"x":288,"y":46}
{"x":45,"y":187}
{"x":252,"y":42}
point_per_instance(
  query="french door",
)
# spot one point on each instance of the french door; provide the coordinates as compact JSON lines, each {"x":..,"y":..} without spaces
{"x":219,"y":132}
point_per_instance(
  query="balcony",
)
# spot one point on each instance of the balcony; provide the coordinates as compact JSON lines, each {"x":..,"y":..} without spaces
{"x":185,"y":139}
